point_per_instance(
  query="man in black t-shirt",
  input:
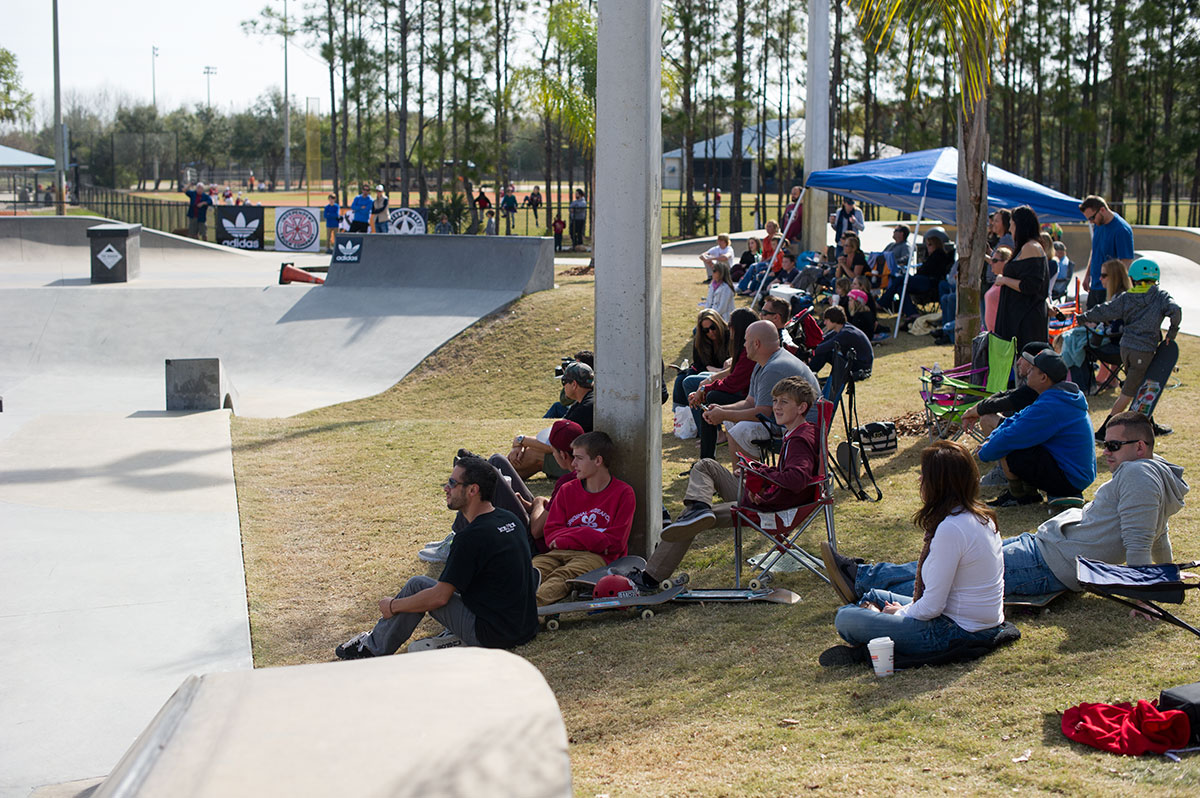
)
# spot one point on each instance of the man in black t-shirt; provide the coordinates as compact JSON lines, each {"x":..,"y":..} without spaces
{"x":485,"y":594}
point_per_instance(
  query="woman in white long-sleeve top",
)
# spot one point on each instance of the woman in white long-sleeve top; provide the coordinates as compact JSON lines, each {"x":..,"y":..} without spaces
{"x":959,"y":591}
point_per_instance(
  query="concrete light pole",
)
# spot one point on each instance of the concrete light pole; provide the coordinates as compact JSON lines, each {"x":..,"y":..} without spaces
{"x":153,"y":78}
{"x":60,"y":156}
{"x":287,"y":116}
{"x":816,"y":124}
{"x":628,"y":251}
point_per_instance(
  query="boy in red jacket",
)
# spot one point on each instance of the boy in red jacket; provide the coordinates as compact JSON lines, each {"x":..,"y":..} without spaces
{"x":589,"y":519}
{"x":791,"y":399}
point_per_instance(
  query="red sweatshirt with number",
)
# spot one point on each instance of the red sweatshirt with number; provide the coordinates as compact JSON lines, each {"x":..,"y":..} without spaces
{"x":595,"y":522}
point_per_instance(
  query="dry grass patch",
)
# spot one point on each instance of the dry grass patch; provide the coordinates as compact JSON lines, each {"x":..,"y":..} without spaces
{"x":701,"y":700}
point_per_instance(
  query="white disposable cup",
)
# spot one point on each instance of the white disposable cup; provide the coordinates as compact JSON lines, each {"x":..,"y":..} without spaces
{"x":882,"y":655}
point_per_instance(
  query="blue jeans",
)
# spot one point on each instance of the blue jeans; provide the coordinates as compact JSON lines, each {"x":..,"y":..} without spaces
{"x":858,"y":625}
{"x":679,"y":393}
{"x":1025,"y":572}
{"x":917,"y":284}
{"x":557,"y":410}
{"x":752,"y":276}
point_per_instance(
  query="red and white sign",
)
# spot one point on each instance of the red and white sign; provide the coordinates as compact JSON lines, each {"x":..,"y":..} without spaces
{"x":297,"y":229}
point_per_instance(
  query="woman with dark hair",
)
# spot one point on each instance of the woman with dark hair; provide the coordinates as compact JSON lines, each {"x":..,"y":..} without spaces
{"x":959,"y":590}
{"x":726,"y":386}
{"x":1021,"y":308}
{"x":751,"y":256}
{"x":710,"y":350}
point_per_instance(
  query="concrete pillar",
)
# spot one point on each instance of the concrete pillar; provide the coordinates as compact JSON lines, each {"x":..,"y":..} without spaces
{"x":816,"y":124}
{"x":628,"y":252}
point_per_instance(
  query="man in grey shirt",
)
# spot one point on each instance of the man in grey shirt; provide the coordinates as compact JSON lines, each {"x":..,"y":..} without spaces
{"x":1125,"y":523}
{"x":772,"y":364}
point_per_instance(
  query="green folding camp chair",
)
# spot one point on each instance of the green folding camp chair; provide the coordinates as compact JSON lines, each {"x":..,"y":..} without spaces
{"x":950,"y":393}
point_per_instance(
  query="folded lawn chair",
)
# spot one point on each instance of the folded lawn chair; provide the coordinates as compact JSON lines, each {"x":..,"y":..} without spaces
{"x":1070,"y":309}
{"x":783,"y":528}
{"x":950,"y":393}
{"x":1139,"y":586}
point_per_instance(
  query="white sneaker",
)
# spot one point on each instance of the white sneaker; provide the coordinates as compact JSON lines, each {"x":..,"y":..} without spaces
{"x":437,"y":551}
{"x":443,"y":639}
{"x":994,"y":479}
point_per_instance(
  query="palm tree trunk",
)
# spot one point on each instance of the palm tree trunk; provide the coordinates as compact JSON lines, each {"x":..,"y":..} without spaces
{"x":972,"y":225}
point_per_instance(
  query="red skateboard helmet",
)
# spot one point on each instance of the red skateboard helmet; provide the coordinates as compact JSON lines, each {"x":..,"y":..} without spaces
{"x":614,"y":586}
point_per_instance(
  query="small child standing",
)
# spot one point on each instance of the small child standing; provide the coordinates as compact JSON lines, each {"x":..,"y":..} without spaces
{"x":333,"y":214}
{"x":558,"y":226}
{"x":490,"y":228}
{"x":1142,"y":309}
{"x":589,"y":519}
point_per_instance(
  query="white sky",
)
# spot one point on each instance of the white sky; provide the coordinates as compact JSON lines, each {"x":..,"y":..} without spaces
{"x":107,"y":45}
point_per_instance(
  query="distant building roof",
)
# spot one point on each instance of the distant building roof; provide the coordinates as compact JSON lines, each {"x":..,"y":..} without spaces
{"x":11,"y":158}
{"x":721,"y":147}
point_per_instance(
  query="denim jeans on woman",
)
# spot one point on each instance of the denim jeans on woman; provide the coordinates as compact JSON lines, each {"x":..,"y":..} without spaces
{"x":859,"y":625}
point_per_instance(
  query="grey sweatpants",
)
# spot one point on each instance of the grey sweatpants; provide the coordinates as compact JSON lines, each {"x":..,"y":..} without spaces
{"x":391,"y":633}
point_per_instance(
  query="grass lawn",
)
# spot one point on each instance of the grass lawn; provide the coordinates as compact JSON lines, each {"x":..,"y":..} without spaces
{"x":701,"y":700}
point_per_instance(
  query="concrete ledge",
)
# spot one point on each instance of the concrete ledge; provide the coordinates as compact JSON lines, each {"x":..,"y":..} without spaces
{"x":456,"y":722}
{"x":28,"y":236}
{"x":199,"y":383}
{"x":513,"y":263}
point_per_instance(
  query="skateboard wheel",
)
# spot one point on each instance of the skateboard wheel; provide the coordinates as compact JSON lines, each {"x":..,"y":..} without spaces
{"x":647,"y":614}
{"x":552,"y":625}
{"x":756,"y":584}
{"x":666,"y":584}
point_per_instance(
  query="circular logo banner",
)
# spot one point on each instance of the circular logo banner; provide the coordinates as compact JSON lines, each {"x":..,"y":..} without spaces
{"x":297,"y":230}
{"x":406,"y":222}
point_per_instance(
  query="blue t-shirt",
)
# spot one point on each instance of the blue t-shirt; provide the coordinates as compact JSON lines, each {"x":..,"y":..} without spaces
{"x":332,"y":210}
{"x":1112,"y":240}
{"x":362,"y":207}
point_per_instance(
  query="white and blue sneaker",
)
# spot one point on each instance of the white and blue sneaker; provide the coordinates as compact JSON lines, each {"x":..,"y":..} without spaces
{"x":443,"y":639}
{"x":437,"y":551}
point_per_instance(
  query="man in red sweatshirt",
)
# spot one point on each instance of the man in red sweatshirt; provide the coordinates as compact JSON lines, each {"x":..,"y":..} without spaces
{"x":589,"y":519}
{"x":789,"y":486}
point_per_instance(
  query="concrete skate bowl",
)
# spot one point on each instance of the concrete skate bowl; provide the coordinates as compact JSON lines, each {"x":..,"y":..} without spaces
{"x":286,"y":349}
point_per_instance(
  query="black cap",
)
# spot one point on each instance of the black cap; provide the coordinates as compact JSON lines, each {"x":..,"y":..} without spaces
{"x":1049,"y":363}
{"x":1034,"y":348}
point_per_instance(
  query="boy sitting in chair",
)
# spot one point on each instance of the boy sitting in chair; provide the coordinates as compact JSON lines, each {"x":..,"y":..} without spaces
{"x":781,"y":487}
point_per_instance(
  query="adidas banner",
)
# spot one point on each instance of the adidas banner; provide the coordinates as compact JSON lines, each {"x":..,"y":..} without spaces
{"x":297,"y":229}
{"x":240,"y":226}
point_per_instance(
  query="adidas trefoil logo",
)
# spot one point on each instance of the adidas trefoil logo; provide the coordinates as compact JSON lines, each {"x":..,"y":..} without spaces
{"x":238,"y":228}
{"x":348,"y":248}
{"x":348,"y":251}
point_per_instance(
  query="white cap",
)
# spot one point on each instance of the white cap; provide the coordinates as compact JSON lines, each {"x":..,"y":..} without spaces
{"x":379,"y":187}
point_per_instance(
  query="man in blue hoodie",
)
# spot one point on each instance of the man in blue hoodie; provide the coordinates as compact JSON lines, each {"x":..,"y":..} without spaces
{"x":1048,"y":445}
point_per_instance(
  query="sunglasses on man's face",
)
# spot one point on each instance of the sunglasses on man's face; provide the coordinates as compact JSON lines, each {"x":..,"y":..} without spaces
{"x":1114,"y":446}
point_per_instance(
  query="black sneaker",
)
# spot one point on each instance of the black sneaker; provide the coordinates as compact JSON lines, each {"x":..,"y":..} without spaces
{"x":690,"y":523}
{"x":1007,"y":499}
{"x":643,"y":581}
{"x":841,"y":656}
{"x":354,"y":648}
{"x":1161,"y":429}
{"x":841,"y":572}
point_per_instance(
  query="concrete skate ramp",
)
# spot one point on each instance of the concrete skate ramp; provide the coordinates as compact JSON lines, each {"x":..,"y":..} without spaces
{"x":514,"y":263}
{"x":287,"y":348}
{"x":37,"y":238}
{"x":459,"y":722}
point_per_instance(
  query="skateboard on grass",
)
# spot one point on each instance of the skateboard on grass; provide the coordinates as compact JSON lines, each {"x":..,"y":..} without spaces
{"x":641,"y":603}
{"x":777,"y":595}
{"x":1034,"y":602}
{"x":1157,"y":374}
{"x":622,"y":566}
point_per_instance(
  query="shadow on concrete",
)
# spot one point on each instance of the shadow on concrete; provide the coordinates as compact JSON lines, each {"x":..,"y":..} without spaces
{"x":140,"y":469}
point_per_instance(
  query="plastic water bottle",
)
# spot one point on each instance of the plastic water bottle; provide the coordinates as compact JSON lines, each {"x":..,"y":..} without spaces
{"x":935,"y":375}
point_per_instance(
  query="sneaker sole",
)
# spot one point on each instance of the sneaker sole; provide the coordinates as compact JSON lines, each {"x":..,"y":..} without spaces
{"x":680,"y":531}
{"x":425,"y":555}
{"x":837,"y":580}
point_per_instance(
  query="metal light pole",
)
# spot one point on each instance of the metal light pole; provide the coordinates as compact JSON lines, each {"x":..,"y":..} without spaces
{"x":153,"y":78}
{"x":209,"y":71}
{"x":287,"y":116}
{"x":60,"y":156}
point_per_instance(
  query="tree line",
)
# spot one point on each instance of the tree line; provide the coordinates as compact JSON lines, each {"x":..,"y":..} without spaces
{"x":1101,"y":96}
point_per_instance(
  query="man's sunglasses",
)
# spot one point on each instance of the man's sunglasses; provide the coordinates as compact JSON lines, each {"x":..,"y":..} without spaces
{"x":1114,"y":446}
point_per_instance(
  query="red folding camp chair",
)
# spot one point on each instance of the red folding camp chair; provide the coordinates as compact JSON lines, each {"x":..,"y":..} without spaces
{"x":783,"y":528}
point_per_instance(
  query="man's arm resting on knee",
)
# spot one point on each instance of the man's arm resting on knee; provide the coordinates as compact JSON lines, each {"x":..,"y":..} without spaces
{"x":431,"y":598}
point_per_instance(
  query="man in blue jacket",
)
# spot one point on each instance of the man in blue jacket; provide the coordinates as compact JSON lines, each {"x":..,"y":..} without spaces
{"x":361,"y":209}
{"x":1048,"y":445}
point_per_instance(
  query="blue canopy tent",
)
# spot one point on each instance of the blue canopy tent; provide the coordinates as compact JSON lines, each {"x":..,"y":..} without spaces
{"x":925,"y":183}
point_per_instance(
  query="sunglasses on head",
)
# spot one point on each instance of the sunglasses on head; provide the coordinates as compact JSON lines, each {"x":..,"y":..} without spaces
{"x":1114,"y":446}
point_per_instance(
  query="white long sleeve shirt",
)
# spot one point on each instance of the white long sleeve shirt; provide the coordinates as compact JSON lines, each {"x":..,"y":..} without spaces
{"x":963,"y":575}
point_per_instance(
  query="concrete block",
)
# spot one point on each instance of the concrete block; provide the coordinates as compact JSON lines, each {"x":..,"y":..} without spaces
{"x":199,"y":383}
{"x":116,"y":252}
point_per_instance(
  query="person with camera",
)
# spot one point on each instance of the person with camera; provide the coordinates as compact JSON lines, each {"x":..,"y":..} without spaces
{"x":842,"y":336}
{"x":529,"y":453}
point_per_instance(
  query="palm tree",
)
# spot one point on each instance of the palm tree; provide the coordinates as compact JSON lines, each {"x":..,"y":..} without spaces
{"x":976,"y":30}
